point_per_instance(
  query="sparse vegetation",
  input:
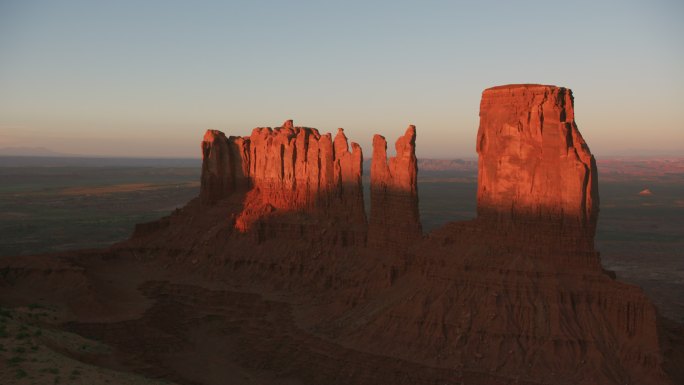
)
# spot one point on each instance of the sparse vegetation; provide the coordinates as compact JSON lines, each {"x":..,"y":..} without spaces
{"x":23,"y":335}
{"x":26,"y":358}
{"x":34,"y":306}
{"x":15,"y":360}
{"x":5,"y":313}
{"x":20,"y":373}
{"x":74,"y":374}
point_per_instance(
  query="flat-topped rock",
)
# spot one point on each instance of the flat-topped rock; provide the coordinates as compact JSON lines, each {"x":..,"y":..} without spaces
{"x":534,"y":164}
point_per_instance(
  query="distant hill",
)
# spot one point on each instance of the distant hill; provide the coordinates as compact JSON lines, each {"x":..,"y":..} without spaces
{"x":29,"y":151}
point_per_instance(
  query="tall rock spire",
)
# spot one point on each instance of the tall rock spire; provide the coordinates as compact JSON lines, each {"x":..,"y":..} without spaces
{"x":394,"y":218}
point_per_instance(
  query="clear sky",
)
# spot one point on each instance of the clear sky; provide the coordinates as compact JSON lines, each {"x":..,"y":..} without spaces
{"x":148,"y":77}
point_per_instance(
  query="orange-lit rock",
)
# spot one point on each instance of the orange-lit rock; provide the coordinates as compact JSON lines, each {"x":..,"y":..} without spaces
{"x":296,"y":169}
{"x":394,"y":218}
{"x":534,"y":165}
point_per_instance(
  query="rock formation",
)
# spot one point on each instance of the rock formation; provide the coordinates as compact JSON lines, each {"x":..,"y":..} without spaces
{"x":287,"y":170}
{"x":534,"y":166}
{"x":224,"y":166}
{"x":394,"y":218}
{"x":297,"y":170}
{"x":295,"y":286}
{"x":517,"y":294}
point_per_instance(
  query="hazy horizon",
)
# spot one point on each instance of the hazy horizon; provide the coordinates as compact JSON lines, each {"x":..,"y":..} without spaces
{"x":147,"y":79}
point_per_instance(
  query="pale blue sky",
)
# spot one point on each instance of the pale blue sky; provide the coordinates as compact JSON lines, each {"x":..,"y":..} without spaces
{"x":148,"y":77}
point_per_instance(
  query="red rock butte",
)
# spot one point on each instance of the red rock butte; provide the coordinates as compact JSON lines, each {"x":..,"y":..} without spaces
{"x":535,"y":169}
{"x":394,"y":218}
{"x":537,"y":179}
{"x":310,"y":289}
{"x":287,"y":170}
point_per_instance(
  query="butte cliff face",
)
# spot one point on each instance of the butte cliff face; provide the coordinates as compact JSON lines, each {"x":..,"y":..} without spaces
{"x":296,"y":169}
{"x":288,"y":173}
{"x":225,"y":166}
{"x":535,"y":169}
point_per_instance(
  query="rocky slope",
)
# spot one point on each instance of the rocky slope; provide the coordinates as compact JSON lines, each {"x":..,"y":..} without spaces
{"x":275,"y":274}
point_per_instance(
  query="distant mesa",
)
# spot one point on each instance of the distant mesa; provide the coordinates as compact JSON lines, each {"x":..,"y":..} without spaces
{"x":645,"y":193}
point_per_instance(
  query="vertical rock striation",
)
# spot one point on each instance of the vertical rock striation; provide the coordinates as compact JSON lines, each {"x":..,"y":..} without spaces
{"x":288,"y":170}
{"x":225,"y":164}
{"x":394,"y":218}
{"x":298,"y":169}
{"x":534,"y":166}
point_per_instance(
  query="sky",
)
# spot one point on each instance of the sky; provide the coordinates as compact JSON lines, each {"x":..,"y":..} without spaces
{"x":147,"y":78}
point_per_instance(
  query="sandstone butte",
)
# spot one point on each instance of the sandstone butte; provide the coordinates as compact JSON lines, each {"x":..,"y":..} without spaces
{"x":535,"y":170}
{"x":317,"y":292}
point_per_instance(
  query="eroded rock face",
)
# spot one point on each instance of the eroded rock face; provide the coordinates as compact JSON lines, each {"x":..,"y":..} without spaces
{"x":225,"y":164}
{"x":297,"y":168}
{"x":394,"y":218}
{"x":287,"y":170}
{"x":534,"y":165}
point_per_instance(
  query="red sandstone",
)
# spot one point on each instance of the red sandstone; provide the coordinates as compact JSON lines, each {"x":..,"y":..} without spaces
{"x":501,"y":299}
{"x":537,"y":177}
{"x":394,"y":218}
{"x":533,"y":160}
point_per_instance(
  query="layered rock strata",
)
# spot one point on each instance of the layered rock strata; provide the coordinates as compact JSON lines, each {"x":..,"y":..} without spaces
{"x":535,"y":169}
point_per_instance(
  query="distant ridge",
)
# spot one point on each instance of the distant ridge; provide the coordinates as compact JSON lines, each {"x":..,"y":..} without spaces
{"x":447,"y":164}
{"x":90,"y":161}
{"x":30,"y":151}
{"x":427,"y":164}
